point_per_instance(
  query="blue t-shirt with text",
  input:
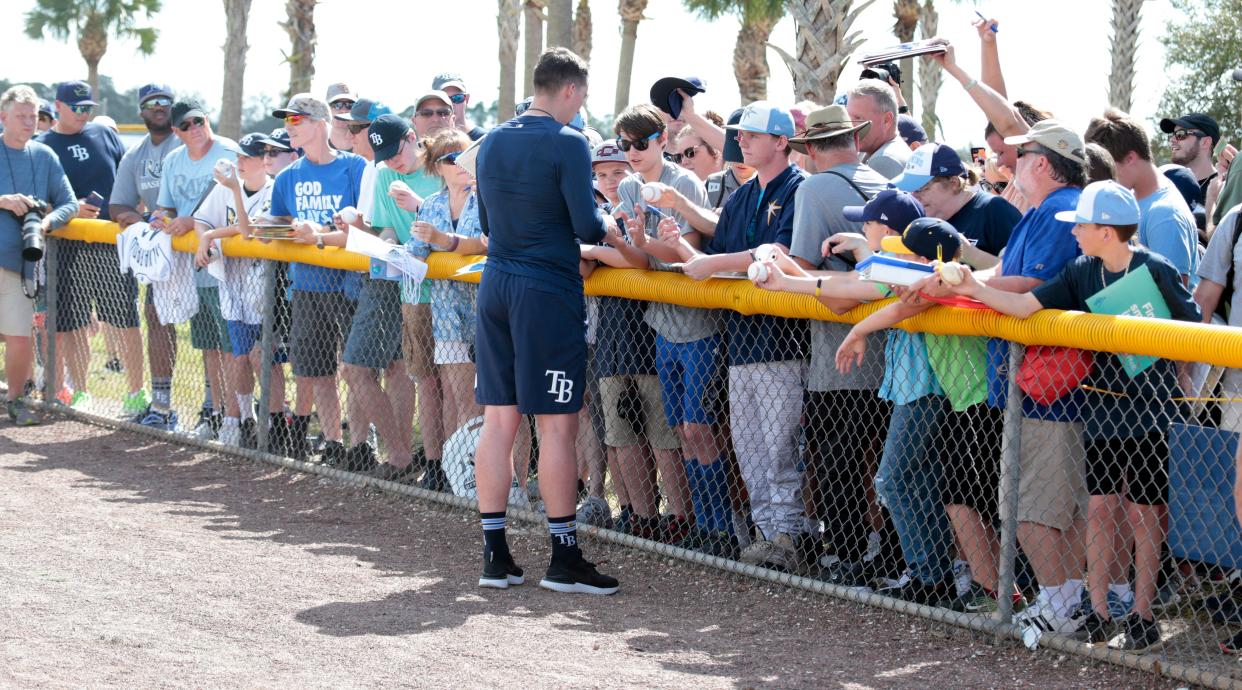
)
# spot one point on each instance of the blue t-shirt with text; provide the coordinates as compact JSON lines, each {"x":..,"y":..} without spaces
{"x":313,"y":192}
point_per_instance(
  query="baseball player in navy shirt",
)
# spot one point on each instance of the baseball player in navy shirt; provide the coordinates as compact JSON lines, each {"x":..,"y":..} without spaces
{"x":534,"y":175}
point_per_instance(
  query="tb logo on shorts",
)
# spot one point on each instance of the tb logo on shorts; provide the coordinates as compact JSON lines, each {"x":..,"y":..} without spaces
{"x":562,"y":386}
{"x":79,"y":152}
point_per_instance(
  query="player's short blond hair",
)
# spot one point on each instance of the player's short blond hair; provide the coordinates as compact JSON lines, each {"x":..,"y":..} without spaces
{"x":18,"y":93}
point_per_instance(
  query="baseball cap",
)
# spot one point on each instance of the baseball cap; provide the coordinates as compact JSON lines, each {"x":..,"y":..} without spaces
{"x":764,"y":117}
{"x":445,"y":79}
{"x":364,"y":112}
{"x":732,"y":150}
{"x":1199,"y":121}
{"x":608,"y":152}
{"x":183,"y":109}
{"x":252,"y":145}
{"x":386,"y":134}
{"x":1103,"y":203}
{"x":303,"y":104}
{"x":279,"y":138}
{"x":1055,"y":137}
{"x":430,"y":95}
{"x":892,"y":207}
{"x":340,"y":91}
{"x":74,"y":93}
{"x":910,"y":130}
{"x":45,"y":108}
{"x":931,"y":238}
{"x":926,"y":163}
{"x":152,"y":90}
{"x":1185,"y":181}
{"x":665,"y":97}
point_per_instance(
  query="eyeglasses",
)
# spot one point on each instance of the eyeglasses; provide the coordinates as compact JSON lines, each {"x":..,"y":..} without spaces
{"x":294,"y":119}
{"x":1020,"y":152}
{"x":156,"y":103}
{"x":357,"y":129}
{"x":458,"y":98}
{"x":641,"y":144}
{"x":439,"y":112}
{"x":272,"y":153}
{"x":1181,"y":134}
{"x":186,"y":125}
{"x":342,"y":106}
{"x":82,"y":109}
{"x":450,"y":158}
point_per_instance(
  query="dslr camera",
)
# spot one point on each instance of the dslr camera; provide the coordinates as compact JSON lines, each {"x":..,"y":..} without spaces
{"x":882,"y":72}
{"x":32,"y":229}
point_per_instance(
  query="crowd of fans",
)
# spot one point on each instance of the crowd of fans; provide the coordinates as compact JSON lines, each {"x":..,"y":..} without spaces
{"x":867,"y":456}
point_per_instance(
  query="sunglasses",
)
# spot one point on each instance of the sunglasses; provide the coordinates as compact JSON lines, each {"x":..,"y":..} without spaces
{"x":82,"y":109}
{"x":458,"y":98}
{"x":439,"y":112}
{"x":294,"y":119}
{"x":1020,"y":152}
{"x":342,"y":106}
{"x":357,"y":129}
{"x":186,"y":125}
{"x":450,"y":158}
{"x":156,"y":103}
{"x":641,"y":144}
{"x":1181,"y":134}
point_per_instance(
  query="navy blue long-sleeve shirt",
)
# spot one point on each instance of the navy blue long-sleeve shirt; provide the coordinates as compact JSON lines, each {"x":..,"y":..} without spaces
{"x":536,"y":200}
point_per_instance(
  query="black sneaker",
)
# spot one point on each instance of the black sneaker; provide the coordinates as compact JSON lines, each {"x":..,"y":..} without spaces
{"x":249,"y":434}
{"x":434,"y":479}
{"x":1232,"y":645}
{"x":847,"y":574}
{"x":391,"y":473}
{"x":1096,"y":629}
{"x":1139,"y":634}
{"x":577,"y":575}
{"x":278,"y":439}
{"x":917,"y":592}
{"x":360,"y":458}
{"x":500,"y":572}
{"x":418,"y":459}
{"x":333,"y":455}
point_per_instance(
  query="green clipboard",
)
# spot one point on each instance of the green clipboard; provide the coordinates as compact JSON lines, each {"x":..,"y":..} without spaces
{"x":1136,"y":294}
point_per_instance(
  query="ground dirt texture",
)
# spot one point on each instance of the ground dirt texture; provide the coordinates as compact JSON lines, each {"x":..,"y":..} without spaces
{"x":127,"y":561}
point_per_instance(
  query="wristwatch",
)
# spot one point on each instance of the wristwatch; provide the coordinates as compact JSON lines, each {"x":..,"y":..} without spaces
{"x":319,"y":241}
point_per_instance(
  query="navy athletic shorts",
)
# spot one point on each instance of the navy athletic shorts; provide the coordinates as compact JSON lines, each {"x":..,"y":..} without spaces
{"x":530,"y":345}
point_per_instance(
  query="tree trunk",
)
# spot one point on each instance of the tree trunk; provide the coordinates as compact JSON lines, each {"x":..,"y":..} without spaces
{"x":560,"y":23}
{"x":1126,"y":19}
{"x":582,"y":30}
{"x":236,"y":16}
{"x":931,"y":74}
{"x":750,"y":58}
{"x":631,"y":12}
{"x":301,"y":58}
{"x":906,"y":14}
{"x":508,"y":29}
{"x":93,"y":44}
{"x":534,"y":42}
{"x":824,"y":46}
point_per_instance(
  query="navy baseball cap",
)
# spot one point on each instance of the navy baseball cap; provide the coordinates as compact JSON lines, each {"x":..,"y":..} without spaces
{"x":183,"y":109}
{"x":364,"y":112}
{"x":149,"y":91}
{"x":279,"y":138}
{"x":931,"y":238}
{"x":733,"y":150}
{"x":45,"y":108}
{"x":665,"y":97}
{"x":892,"y":207}
{"x":927,"y":163}
{"x":74,"y":93}
{"x":252,"y":145}
{"x":386,"y":134}
{"x":910,"y":130}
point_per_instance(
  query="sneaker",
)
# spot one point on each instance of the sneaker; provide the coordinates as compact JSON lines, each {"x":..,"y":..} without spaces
{"x":874,"y":543}
{"x":1175,"y":589}
{"x":1118,"y":607}
{"x":594,"y":511}
{"x":278,"y":437}
{"x":81,"y":399}
{"x":208,"y":426}
{"x":155,"y":419}
{"x":779,"y":553}
{"x":625,"y":520}
{"x":135,"y":403}
{"x":1040,"y":618}
{"x":250,"y":434}
{"x":1095,"y":629}
{"x":114,"y":365}
{"x":402,"y":475}
{"x":719,"y":544}
{"x":230,"y":433}
{"x":1232,"y":645}
{"x":333,"y":454}
{"x":21,"y":414}
{"x":917,"y":592}
{"x":577,"y":575}
{"x":360,"y":458}
{"x":962,"y":578}
{"x":847,"y":574}
{"x":675,"y":528}
{"x":498,"y":573}
{"x":1139,"y":634}
{"x":976,"y":599}
{"x":434,"y":479}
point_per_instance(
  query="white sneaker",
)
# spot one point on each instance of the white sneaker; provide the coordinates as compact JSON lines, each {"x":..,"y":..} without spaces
{"x":230,"y":433}
{"x":778,"y":553}
{"x":873,"y":547}
{"x":962,"y":577}
{"x":1039,"y":618}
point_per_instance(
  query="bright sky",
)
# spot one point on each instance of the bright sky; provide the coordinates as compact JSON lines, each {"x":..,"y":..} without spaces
{"x":1055,"y":53}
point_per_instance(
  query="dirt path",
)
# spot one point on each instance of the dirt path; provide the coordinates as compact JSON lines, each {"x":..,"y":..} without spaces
{"x":131,"y":562}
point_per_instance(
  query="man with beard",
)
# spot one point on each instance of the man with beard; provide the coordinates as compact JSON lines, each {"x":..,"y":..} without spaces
{"x":1192,"y":138}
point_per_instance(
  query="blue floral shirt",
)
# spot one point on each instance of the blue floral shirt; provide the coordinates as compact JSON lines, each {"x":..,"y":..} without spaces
{"x":452,"y":302}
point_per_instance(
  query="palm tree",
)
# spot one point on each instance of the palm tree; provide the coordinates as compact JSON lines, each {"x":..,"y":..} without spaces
{"x":931,"y":74}
{"x":750,"y":51}
{"x":906,"y":14}
{"x":509,"y":28}
{"x":92,"y":21}
{"x":582,"y":30}
{"x":236,"y":16}
{"x":631,"y":12}
{"x":1126,"y":19}
{"x":301,"y":57}
{"x":560,"y":23}
{"x":824,"y":45}
{"x":534,"y":19}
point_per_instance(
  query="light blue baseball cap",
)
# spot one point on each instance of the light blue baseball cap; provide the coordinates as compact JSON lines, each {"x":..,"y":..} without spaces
{"x":1104,"y":203}
{"x":763,"y":117}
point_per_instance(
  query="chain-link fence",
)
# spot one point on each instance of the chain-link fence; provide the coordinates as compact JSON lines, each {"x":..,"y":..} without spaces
{"x":1057,"y":495}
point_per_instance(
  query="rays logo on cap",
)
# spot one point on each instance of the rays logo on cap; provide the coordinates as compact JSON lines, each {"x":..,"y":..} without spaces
{"x":247,"y":140}
{"x":376,"y":139}
{"x":82,"y":91}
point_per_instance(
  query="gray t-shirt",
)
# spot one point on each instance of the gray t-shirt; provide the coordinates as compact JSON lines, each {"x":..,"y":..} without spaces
{"x":1223,"y":251}
{"x":890,"y":159}
{"x":817,"y":216}
{"x":138,"y":175}
{"x":674,"y":323}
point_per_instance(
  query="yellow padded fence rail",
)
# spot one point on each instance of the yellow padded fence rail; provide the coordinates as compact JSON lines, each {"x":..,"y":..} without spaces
{"x":1216,"y":345}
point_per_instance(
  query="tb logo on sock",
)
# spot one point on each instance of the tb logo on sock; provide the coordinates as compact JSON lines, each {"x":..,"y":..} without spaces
{"x":567,"y":539}
{"x":562,"y":386}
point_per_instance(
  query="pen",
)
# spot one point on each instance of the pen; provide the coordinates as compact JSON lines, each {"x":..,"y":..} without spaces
{"x":985,"y":19}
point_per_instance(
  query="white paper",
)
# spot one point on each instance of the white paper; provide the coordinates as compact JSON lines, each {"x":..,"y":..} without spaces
{"x":215,"y":267}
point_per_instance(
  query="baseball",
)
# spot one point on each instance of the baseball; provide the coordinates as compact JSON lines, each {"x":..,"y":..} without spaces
{"x":224,"y":167}
{"x":651,"y":191}
{"x":349,"y":215}
{"x":757,"y":272}
{"x":951,"y":273}
{"x":398,"y":186}
{"x":765,"y":252}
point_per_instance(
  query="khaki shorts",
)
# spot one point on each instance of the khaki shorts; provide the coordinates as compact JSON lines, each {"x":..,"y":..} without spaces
{"x":618,"y":431}
{"x":16,"y":309}
{"x":416,"y":341}
{"x":1052,"y":486}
